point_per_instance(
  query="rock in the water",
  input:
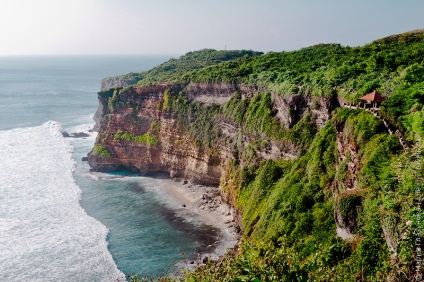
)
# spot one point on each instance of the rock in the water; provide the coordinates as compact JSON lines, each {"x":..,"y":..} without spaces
{"x":79,"y":134}
{"x":84,"y":159}
{"x":65,"y":134}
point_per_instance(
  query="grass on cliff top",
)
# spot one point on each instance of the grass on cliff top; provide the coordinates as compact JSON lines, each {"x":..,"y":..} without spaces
{"x":173,"y":69}
{"x":323,"y":70}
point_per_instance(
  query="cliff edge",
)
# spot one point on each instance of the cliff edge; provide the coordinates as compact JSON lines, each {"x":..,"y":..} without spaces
{"x":321,"y":193}
{"x":154,"y":129}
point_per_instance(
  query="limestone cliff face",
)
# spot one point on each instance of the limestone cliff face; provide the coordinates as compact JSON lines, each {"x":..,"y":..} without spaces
{"x":138,"y":112}
{"x":349,"y":161}
{"x":218,"y":93}
{"x":138,"y":132}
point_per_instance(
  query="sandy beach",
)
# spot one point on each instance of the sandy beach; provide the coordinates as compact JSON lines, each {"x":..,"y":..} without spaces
{"x":204,"y":204}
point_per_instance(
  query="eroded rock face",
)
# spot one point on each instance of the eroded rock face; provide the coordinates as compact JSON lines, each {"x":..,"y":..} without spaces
{"x":137,"y":132}
{"x":218,"y":93}
{"x":347,"y":194}
{"x":347,"y":151}
{"x":290,"y":109}
{"x":138,"y":113}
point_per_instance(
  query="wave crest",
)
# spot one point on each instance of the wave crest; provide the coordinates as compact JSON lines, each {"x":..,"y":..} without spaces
{"x":44,"y":232}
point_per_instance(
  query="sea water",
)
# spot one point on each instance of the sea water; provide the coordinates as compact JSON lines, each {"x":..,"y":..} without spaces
{"x":44,"y":233}
{"x":58,"y":220}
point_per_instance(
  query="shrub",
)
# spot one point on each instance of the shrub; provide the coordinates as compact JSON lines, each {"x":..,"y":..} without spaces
{"x":101,"y":152}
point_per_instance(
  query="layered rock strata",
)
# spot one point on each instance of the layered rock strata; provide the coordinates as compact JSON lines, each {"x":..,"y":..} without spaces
{"x":136,"y":130}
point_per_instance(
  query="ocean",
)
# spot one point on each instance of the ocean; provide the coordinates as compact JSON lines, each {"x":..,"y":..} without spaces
{"x":58,"y":220}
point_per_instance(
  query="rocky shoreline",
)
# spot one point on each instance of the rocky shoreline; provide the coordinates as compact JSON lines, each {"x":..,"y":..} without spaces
{"x":196,"y":201}
{"x":204,"y":203}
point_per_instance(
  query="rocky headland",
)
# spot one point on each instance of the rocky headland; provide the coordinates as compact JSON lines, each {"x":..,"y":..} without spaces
{"x":137,"y":111}
{"x":318,"y":186}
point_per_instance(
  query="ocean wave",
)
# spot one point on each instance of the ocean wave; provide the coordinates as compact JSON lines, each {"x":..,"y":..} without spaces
{"x":44,"y":233}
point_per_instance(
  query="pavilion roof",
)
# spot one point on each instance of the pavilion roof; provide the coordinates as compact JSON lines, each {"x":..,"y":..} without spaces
{"x":373,"y":97}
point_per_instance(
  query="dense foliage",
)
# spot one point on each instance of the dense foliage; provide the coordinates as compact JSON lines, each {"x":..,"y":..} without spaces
{"x":101,"y":152}
{"x":328,"y":69}
{"x":146,"y":138}
{"x":173,"y":69}
{"x":289,"y":207}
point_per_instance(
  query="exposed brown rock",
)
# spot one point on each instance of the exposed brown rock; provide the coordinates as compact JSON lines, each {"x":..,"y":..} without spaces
{"x":139,"y":108}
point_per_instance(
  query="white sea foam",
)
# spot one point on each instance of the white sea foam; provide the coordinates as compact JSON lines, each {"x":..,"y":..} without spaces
{"x":84,"y":127}
{"x":44,"y":233}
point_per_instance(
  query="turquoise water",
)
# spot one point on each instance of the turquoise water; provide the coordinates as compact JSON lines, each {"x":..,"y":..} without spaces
{"x":58,"y":221}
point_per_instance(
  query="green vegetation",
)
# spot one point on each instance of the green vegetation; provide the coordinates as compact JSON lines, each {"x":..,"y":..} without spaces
{"x":327,"y":69}
{"x":145,"y":138}
{"x":288,"y":206}
{"x":404,"y":107}
{"x":348,"y":205}
{"x":101,"y":152}
{"x":254,"y":116}
{"x":173,"y":69}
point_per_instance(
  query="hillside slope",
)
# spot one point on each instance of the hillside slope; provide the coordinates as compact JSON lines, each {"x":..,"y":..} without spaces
{"x":322,"y":193}
{"x":173,"y":68}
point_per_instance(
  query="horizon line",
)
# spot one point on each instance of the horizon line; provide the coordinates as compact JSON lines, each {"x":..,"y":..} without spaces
{"x":88,"y":54}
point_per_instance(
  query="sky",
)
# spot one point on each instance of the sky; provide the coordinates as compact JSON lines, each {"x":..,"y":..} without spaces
{"x":127,"y":27}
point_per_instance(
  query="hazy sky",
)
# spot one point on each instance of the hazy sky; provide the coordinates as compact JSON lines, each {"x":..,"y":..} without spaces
{"x":179,"y":26}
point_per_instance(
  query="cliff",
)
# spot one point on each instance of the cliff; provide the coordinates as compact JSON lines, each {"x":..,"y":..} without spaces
{"x":165,"y":146}
{"x":322,"y":193}
{"x":141,"y":130}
